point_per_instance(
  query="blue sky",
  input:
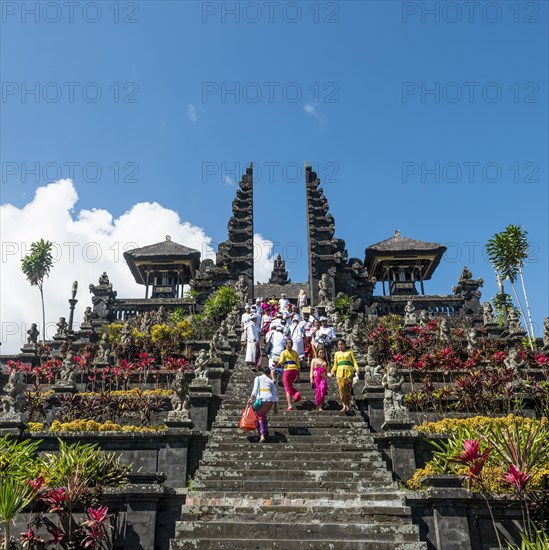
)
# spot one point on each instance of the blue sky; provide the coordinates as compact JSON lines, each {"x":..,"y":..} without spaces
{"x":432,"y":123}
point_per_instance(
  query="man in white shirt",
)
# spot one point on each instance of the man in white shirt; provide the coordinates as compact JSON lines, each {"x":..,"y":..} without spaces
{"x":277,"y":342}
{"x":283,"y":302}
{"x":243,"y":320}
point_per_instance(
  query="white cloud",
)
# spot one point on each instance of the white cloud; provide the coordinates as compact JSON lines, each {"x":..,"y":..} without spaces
{"x":86,"y":243}
{"x":311,"y":109}
{"x":263,"y":258}
{"x":191,"y":113}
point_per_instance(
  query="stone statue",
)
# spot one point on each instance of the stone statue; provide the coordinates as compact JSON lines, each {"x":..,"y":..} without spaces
{"x":104,"y":279}
{"x":104,"y":349}
{"x":513,"y":360}
{"x":126,"y":333}
{"x":62,"y":328}
{"x":12,"y":400}
{"x":161,"y":315}
{"x":373,"y":368}
{"x":146,"y":323}
{"x":423,"y":318}
{"x":33,"y":333}
{"x":68,"y":372}
{"x":201,"y":364}
{"x":472,"y":340}
{"x":324,"y":289}
{"x":514,"y":321}
{"x":466,"y":274}
{"x":241,"y":289}
{"x":410,"y":314}
{"x":392,"y":403}
{"x":546,"y":333}
{"x":488,"y":314}
{"x":180,"y":399}
{"x":444,"y":331}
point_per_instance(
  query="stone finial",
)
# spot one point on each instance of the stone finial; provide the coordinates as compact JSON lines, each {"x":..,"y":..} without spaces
{"x":168,"y":238}
{"x":397,"y":233}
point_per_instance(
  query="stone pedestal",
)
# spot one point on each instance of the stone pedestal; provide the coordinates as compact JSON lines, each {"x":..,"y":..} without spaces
{"x":12,"y":423}
{"x":372,"y":398}
{"x":215,"y":379}
{"x":200,"y":396}
{"x":179,"y":419}
{"x":401,"y":447}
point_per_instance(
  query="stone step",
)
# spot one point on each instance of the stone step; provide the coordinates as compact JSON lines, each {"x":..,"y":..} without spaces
{"x":273,"y":486}
{"x":264,"y":528}
{"x":296,"y":422}
{"x":319,"y":475}
{"x":313,"y":499}
{"x":293,"y":544}
{"x":259,"y":454}
{"x":271,"y":465}
{"x":299,"y":445}
{"x":223,"y":431}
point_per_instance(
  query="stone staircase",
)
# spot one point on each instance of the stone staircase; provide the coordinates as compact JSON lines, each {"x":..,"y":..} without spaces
{"x":318,"y":483}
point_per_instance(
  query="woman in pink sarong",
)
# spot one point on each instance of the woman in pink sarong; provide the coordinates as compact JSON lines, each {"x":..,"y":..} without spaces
{"x":319,"y":370}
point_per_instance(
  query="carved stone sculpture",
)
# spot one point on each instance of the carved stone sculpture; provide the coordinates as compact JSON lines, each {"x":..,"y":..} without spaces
{"x":201,"y":364}
{"x":126,"y":334}
{"x":392,"y":402}
{"x":514,"y":321}
{"x":325,"y":290}
{"x":513,"y":360}
{"x":444,"y":332}
{"x":180,"y":399}
{"x":410,"y":319}
{"x":472,"y":340}
{"x":423,"y":318}
{"x":62,"y":328}
{"x":241,"y":289}
{"x":13,"y":397}
{"x":373,"y":369}
{"x":488,"y":314}
{"x":104,"y":350}
{"x":67,"y":376}
{"x":33,"y":333}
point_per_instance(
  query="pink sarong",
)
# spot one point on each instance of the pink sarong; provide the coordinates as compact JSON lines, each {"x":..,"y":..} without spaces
{"x":321,"y":386}
{"x":288,"y":378}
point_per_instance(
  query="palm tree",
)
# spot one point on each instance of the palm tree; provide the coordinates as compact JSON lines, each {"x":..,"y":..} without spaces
{"x":36,"y":266}
{"x":507,"y":252}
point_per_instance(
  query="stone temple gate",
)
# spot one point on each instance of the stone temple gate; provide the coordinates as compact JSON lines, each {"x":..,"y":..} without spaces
{"x":400,"y":264}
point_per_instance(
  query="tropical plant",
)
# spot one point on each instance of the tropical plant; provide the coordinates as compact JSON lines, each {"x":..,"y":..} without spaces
{"x":507,"y":252}
{"x":220,"y":303}
{"x":15,"y":494}
{"x":36,"y":266}
{"x":343,"y":303}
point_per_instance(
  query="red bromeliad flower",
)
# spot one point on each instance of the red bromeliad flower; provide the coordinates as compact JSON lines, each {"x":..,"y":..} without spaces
{"x":94,"y":526}
{"x":516,"y":478}
{"x":56,"y":533}
{"x":473,"y":458}
{"x":57,"y":499}
{"x":541,"y":359}
{"x":99,"y":514}
{"x":499,"y":356}
{"x":30,"y":538}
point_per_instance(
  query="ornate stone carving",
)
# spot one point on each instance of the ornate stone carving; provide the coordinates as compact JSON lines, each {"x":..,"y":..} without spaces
{"x":423,"y":318}
{"x":513,"y":360}
{"x":241,"y":289}
{"x":444,"y":333}
{"x":67,"y":376}
{"x":488,"y":314}
{"x":201,"y":371}
{"x":104,"y":350}
{"x":279,"y":274}
{"x":468,"y":289}
{"x":392,"y":402}
{"x":180,"y":399}
{"x":515,"y":326}
{"x":62,"y":328}
{"x":472,"y":340}
{"x":325,"y":289}
{"x":33,"y":333}
{"x":374,"y":370}
{"x":410,"y":319}
{"x":13,"y":397}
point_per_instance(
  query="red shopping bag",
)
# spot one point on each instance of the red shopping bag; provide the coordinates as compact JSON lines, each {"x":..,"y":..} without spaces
{"x":247,"y":421}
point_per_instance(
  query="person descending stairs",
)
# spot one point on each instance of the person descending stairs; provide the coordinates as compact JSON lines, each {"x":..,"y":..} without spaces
{"x":317,"y":483}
